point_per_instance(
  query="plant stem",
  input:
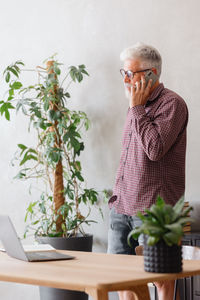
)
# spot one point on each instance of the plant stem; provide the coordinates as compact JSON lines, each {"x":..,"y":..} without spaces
{"x":32,"y":70}
{"x":68,"y":86}
{"x":64,"y":79}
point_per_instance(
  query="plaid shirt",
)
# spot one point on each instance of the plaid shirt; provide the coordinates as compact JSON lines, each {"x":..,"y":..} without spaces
{"x":152,"y":161}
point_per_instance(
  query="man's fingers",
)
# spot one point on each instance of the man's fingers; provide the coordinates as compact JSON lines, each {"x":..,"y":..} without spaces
{"x":149,"y":84}
{"x":132,"y":90}
{"x":143,"y":82}
{"x":147,"y":90}
{"x":137,"y":86}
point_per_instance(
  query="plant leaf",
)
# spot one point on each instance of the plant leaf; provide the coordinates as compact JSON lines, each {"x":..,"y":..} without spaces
{"x":13,"y":71}
{"x":152,"y":240}
{"x":16,"y":85}
{"x":178,"y":207}
{"x":160,"y":202}
{"x":7,"y":77}
{"x":175,"y":228}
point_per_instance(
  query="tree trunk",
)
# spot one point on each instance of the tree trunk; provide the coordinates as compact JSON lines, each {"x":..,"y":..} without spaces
{"x":58,"y":189}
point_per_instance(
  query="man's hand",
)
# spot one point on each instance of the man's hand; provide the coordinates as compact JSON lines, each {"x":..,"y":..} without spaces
{"x":139,"y":94}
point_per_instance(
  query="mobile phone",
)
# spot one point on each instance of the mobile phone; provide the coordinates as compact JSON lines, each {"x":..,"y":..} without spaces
{"x":150,"y":75}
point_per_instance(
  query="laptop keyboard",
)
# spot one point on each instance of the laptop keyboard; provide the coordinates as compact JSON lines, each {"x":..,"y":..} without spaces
{"x":45,"y":255}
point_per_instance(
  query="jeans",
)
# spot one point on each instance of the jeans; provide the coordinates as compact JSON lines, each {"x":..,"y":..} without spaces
{"x":120,"y":226}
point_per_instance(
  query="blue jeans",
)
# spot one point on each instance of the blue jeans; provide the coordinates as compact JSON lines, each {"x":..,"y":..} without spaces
{"x":120,"y":226}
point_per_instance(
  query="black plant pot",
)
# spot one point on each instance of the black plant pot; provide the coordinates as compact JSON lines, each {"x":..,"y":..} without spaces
{"x":162,"y":258}
{"x":78,"y":243}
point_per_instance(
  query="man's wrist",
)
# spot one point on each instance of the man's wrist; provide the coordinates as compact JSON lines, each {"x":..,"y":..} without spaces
{"x":134,"y":105}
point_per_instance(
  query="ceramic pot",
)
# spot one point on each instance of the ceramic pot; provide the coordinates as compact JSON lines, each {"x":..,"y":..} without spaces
{"x":162,"y":258}
{"x":78,"y":243}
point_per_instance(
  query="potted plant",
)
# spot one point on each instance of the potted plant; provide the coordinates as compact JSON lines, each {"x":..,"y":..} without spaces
{"x":55,"y":217}
{"x":162,"y":227}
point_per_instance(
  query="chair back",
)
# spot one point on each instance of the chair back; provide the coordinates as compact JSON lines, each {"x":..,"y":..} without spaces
{"x":191,"y":253}
{"x":139,"y":250}
{"x":188,"y":252}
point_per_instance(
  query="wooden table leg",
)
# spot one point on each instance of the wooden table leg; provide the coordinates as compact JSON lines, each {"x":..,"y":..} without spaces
{"x":97,"y":294}
{"x":141,"y":292}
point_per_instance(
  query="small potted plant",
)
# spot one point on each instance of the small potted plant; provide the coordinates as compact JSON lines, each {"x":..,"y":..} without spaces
{"x":55,"y":218}
{"x":162,"y":227}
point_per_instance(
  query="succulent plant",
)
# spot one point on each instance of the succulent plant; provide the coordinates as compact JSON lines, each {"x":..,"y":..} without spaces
{"x":162,"y":222}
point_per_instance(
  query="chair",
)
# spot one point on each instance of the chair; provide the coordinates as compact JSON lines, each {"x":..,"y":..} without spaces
{"x":188,"y":253}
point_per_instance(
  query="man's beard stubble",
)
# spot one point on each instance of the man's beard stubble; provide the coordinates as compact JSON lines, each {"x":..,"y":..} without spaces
{"x":127,"y":87}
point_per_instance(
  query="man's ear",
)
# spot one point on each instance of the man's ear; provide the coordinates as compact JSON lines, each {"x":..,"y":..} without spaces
{"x":154,"y":70}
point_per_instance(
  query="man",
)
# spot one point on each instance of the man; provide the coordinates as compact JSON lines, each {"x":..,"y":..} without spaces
{"x":152,"y":161}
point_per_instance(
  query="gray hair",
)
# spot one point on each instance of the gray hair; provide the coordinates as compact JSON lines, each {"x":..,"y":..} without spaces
{"x":146,"y":54}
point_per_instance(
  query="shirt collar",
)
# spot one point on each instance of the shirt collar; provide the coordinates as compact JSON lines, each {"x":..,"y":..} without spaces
{"x":156,"y":92}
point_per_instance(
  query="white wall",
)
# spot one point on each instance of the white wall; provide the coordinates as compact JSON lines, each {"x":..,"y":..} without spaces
{"x":94,"y":33}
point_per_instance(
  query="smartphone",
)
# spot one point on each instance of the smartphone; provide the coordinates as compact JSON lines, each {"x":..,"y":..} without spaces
{"x":150,"y":75}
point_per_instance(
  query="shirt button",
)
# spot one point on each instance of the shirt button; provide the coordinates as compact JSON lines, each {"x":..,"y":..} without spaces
{"x":122,"y":177}
{"x":124,"y":162}
{"x":130,"y":134}
{"x":126,"y":148}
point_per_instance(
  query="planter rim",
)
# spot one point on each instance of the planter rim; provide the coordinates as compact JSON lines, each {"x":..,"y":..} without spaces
{"x":161,"y":242}
{"x":78,"y":236}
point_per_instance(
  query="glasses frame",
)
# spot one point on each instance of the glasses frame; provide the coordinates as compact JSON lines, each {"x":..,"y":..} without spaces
{"x":132,"y":74}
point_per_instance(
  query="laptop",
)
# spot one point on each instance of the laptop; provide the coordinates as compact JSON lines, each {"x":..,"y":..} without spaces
{"x":14,"y":248}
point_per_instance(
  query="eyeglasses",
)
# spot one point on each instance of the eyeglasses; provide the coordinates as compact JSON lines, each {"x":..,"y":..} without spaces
{"x":130,"y":74}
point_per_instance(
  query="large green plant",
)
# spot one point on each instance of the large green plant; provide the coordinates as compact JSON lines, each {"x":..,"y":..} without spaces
{"x":55,"y":157}
{"x":162,"y":222}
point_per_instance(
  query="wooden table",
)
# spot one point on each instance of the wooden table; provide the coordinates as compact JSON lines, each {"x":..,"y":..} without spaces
{"x":94,"y":273}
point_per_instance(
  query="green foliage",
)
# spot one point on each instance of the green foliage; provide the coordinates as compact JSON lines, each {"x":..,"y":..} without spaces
{"x":12,"y":69}
{"x":59,"y":131}
{"x":77,"y":73}
{"x":162,"y":222}
{"x":4,"y":109}
{"x":27,"y":154}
